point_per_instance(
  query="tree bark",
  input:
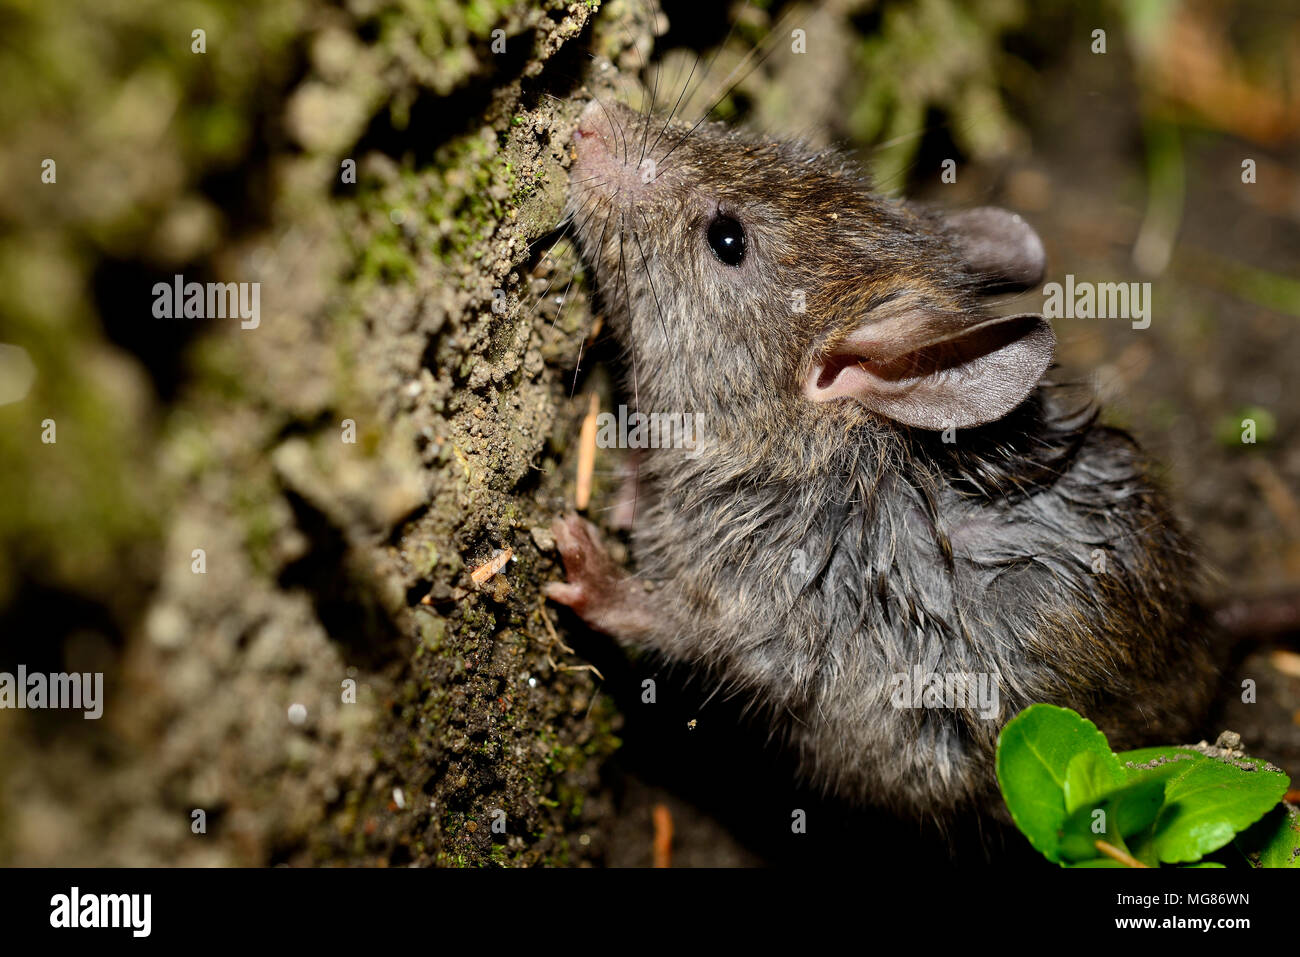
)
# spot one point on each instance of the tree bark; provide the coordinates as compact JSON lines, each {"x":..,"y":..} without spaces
{"x":301,"y":668}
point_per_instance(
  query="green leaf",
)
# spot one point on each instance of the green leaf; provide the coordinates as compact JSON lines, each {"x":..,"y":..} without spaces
{"x":1274,"y":840}
{"x":1124,"y":812}
{"x":1207,"y":800}
{"x":1034,"y":753}
{"x":1158,"y":762}
{"x":1089,"y":775}
{"x":1099,"y":862}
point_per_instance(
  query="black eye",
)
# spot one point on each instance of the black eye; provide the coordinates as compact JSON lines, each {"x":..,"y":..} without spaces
{"x":727,"y":240}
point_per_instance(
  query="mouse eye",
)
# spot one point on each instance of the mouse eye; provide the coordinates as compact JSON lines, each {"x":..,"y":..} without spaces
{"x":727,"y":240}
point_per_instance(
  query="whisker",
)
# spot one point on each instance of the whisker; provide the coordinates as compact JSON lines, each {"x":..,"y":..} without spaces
{"x":627,"y":299}
{"x":646,"y":265}
{"x":560,"y":310}
{"x":600,"y":251}
{"x":669,"y":120}
{"x":574,"y":387}
{"x":563,"y":233}
{"x":551,"y":285}
{"x":654,"y":94}
{"x":618,"y":130}
{"x":759,"y":62}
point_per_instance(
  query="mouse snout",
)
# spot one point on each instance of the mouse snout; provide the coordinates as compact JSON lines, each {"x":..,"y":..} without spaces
{"x":606,"y":124}
{"x":593,"y":122}
{"x":610,"y":153}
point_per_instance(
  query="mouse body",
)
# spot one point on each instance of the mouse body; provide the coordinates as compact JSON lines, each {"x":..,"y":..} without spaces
{"x":896,"y":528}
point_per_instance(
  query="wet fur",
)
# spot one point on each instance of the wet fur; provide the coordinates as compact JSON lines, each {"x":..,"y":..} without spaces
{"x":974,"y":556}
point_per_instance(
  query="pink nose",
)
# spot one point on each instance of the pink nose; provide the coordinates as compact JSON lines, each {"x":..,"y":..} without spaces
{"x":608,"y":143}
{"x":594,"y":127}
{"x":591,"y":115}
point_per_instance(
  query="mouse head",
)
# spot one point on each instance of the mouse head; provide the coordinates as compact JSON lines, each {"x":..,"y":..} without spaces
{"x":763,"y":284}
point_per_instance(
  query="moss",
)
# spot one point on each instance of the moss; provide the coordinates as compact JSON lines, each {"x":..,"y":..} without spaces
{"x":369,"y":300}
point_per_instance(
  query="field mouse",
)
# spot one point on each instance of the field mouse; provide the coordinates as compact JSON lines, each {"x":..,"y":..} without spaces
{"x":888,"y":481}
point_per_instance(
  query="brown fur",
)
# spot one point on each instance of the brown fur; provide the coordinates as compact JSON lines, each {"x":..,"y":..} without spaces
{"x":972,"y":557}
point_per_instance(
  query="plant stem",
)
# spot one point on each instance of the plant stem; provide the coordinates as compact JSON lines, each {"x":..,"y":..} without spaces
{"x":1113,"y":852}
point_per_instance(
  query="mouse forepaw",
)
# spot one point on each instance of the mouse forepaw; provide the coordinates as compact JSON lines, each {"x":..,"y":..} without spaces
{"x":597,"y":589}
{"x":594,"y":580}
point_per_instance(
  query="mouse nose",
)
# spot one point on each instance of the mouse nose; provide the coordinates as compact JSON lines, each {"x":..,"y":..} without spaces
{"x":596,"y":128}
{"x":607,"y":142}
{"x":591,"y":115}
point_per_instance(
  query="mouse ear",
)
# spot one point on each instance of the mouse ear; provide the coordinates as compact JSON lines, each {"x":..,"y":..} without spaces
{"x":999,"y":248}
{"x":935,"y":369}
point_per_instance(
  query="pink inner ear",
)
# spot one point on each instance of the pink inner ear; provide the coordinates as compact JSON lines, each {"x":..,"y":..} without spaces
{"x":965,"y":378}
{"x":861,"y":374}
{"x":840,"y":376}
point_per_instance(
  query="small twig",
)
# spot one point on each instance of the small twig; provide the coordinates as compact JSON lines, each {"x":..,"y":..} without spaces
{"x":587,"y":454}
{"x":555,"y":635}
{"x":663,"y":841}
{"x":556,"y":640}
{"x":491,"y":566}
